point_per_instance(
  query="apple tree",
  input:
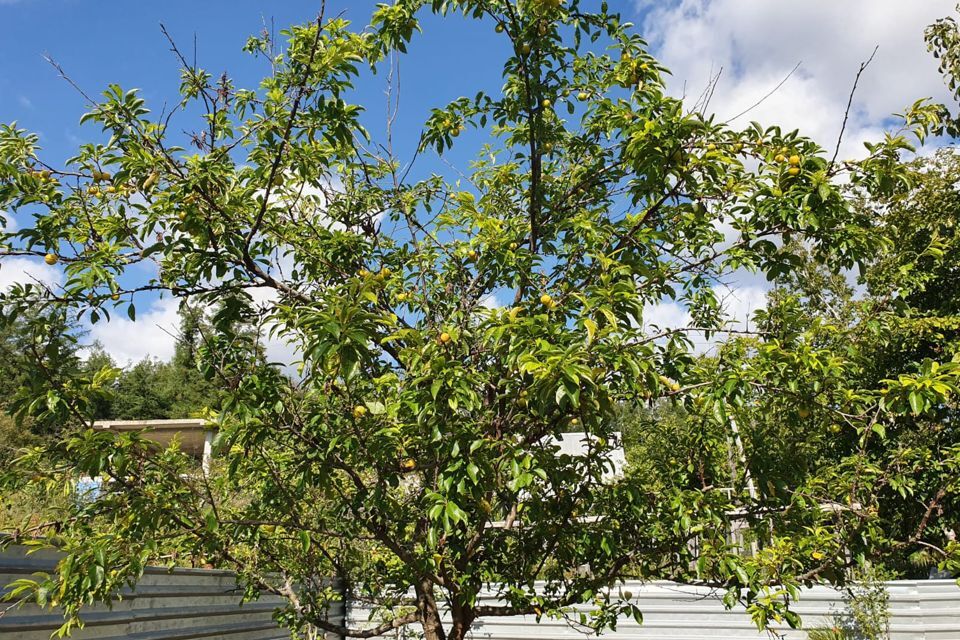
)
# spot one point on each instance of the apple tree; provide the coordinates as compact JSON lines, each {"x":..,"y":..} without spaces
{"x":448,"y":328}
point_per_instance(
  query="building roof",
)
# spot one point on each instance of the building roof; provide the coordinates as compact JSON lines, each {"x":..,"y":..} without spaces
{"x":189,"y":432}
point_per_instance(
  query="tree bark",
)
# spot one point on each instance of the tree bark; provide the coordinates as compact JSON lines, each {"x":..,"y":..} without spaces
{"x":429,"y":612}
{"x":463,"y":617}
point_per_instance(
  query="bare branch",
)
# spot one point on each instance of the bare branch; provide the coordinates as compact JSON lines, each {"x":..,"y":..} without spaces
{"x":846,"y":114}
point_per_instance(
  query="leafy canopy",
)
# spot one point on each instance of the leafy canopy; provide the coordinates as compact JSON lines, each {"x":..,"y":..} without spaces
{"x":414,"y":453}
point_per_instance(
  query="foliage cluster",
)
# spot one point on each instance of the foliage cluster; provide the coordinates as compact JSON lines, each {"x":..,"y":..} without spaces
{"x":415,"y":456}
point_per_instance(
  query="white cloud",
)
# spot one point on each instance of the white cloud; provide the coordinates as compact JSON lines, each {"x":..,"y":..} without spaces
{"x":666,"y":315}
{"x":308,"y":201}
{"x":491,"y":301}
{"x":21,"y":270}
{"x":283,"y":352}
{"x":152,"y":334}
{"x":738,"y":300}
{"x":757,"y":43}
{"x":279,"y":350}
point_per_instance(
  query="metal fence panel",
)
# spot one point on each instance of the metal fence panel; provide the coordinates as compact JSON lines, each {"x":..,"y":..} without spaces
{"x":182,"y":604}
{"x":189,"y":604}
{"x":919,"y":610}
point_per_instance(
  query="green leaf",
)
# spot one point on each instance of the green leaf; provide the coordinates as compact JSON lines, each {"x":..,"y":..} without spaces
{"x":212,"y":523}
{"x":591,"y":327}
{"x":305,"y":541}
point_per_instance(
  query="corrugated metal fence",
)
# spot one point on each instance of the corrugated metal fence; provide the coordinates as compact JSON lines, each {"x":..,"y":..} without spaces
{"x":920,"y":610}
{"x":183,"y":604}
{"x":189,"y":604}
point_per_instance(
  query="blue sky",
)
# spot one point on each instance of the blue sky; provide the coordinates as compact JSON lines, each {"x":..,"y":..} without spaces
{"x":120,"y":41}
{"x":756,"y":44}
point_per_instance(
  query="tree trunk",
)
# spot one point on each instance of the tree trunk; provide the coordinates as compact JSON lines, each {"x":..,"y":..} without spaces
{"x":463,"y":618}
{"x":429,"y":612}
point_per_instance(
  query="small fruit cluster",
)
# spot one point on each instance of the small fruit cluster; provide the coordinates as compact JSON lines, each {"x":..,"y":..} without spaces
{"x":98,"y":177}
{"x":793,"y":161}
{"x":94,"y":190}
{"x":673,"y":385}
{"x":632,"y":72}
{"x":383,"y":274}
{"x":453,"y":128}
{"x":44,"y":175}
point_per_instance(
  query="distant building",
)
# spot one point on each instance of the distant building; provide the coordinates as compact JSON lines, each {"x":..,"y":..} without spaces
{"x":577,"y":444}
{"x":195,"y":436}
